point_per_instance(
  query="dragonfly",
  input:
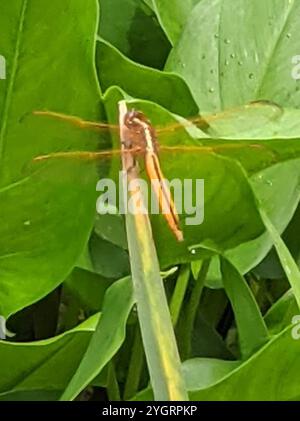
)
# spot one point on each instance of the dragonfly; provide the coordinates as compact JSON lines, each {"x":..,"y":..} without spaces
{"x":142,"y":141}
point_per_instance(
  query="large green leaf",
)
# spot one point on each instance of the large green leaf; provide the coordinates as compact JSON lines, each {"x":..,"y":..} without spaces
{"x":228,"y":66}
{"x":46,"y":209}
{"x":277,"y":188}
{"x":217,"y":380}
{"x":42,"y":365}
{"x":173,"y":15}
{"x":48,"y":366}
{"x":248,"y":381}
{"x":227,"y":62}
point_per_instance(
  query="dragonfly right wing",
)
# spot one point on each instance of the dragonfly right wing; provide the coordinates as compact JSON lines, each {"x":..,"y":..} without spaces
{"x":252,"y":120}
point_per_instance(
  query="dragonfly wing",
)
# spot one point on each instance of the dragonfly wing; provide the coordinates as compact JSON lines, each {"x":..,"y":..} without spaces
{"x":247,"y":121}
{"x":77,"y":121}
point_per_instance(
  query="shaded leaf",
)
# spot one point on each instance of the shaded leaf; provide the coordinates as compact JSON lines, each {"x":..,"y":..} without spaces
{"x":132,"y":27}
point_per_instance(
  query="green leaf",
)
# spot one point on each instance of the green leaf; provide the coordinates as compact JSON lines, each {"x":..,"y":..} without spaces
{"x":280,"y":315}
{"x":103,"y":253}
{"x":89,"y":288}
{"x":46,"y":209}
{"x":217,"y":380}
{"x":277,"y":188}
{"x":203,"y":372}
{"x":42,"y":365}
{"x":207,"y":342}
{"x":107,"y":339}
{"x":248,"y":381}
{"x":132,"y":27}
{"x":35,"y":395}
{"x":224,"y":62}
{"x":250,"y":323}
{"x":173,"y":15}
{"x":166,"y":89}
{"x":111,"y":228}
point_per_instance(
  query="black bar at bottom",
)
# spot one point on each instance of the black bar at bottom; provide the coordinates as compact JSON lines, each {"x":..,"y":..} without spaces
{"x":135,"y":410}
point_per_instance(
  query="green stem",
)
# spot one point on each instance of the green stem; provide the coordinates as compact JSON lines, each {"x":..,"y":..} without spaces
{"x":191,"y":311}
{"x":179,"y":292}
{"x":135,"y":366}
{"x":157,"y":332}
{"x":113,"y":390}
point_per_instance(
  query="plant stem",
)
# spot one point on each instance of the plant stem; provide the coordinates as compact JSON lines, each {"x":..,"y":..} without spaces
{"x":135,"y":366}
{"x":153,"y":311}
{"x":113,"y":390}
{"x":179,"y":292}
{"x":192,"y":310}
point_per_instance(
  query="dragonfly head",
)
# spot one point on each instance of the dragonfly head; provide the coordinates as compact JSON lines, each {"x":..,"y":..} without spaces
{"x":141,"y":133}
{"x":136,"y":120}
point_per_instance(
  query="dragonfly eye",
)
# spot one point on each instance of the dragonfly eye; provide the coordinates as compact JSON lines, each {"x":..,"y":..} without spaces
{"x":130,"y":118}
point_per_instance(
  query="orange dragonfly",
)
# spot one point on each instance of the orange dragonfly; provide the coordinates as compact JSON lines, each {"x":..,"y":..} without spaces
{"x":142,"y":141}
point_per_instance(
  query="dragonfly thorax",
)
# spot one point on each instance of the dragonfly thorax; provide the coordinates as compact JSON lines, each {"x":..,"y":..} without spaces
{"x":141,"y":133}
